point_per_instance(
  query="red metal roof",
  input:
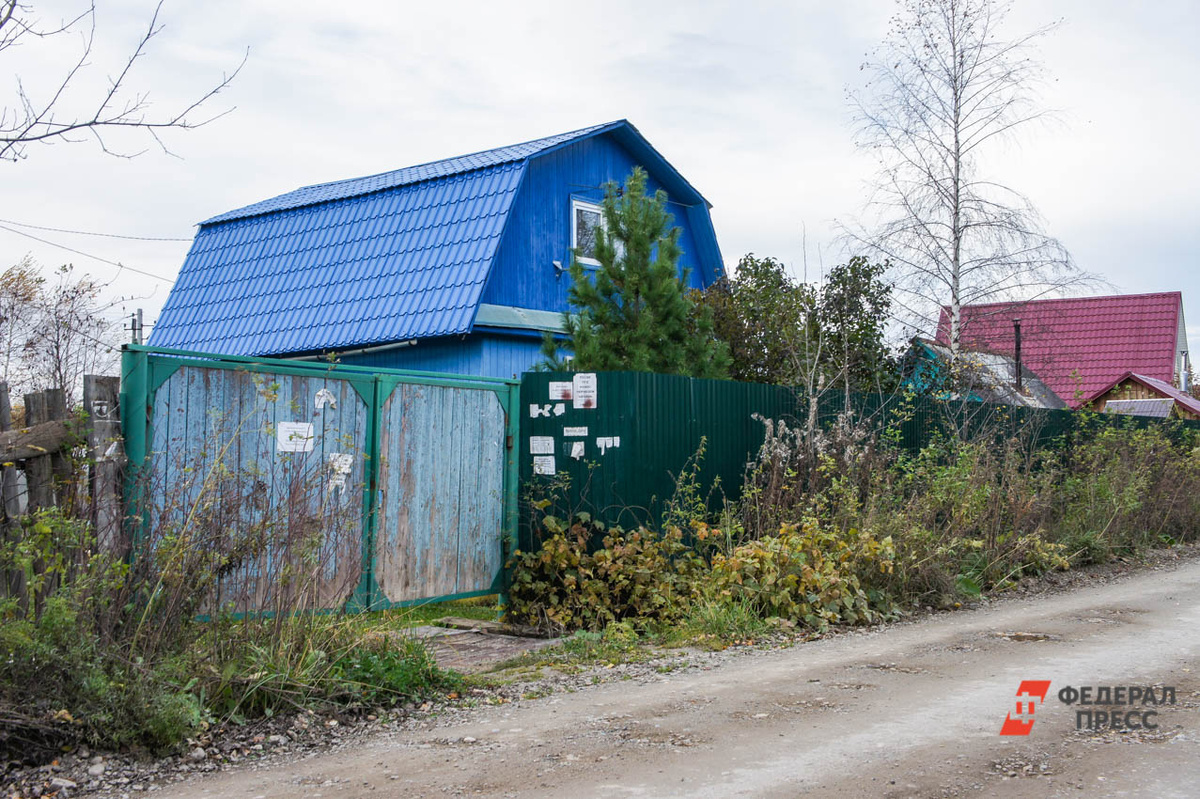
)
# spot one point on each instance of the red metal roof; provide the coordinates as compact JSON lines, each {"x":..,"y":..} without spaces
{"x":1163,"y":389}
{"x":1080,"y":345}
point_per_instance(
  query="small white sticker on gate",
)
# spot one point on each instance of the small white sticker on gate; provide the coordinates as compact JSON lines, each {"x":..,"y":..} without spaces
{"x":325,"y":397}
{"x":340,"y":464}
{"x":541,"y":445}
{"x":543,"y":464}
{"x":560,"y":391}
{"x":575,"y":432}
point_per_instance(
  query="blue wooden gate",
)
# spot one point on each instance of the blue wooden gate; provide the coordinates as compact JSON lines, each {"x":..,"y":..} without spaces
{"x":365,"y":488}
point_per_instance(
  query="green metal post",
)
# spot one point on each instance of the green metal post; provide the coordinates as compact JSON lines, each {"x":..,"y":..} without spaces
{"x":134,"y":399}
{"x":366,"y":596}
{"x":512,"y":479}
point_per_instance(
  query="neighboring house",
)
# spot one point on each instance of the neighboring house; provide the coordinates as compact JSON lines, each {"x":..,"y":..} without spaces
{"x":1139,"y":395}
{"x":1079,"y":346}
{"x":453,"y":266}
{"x":981,"y":376}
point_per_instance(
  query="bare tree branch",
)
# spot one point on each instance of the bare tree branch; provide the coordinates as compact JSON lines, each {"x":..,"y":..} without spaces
{"x":942,"y":88}
{"x":58,"y":116}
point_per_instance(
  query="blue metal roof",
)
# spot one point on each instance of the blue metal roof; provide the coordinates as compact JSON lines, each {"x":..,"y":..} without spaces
{"x":400,"y":255}
{"x":405,"y":262}
{"x":340,"y":189}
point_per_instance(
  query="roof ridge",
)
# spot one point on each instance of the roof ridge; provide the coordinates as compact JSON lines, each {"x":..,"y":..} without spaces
{"x":1173,"y":392}
{"x":452,"y":166}
{"x":1176,"y":294}
{"x":566,"y":134}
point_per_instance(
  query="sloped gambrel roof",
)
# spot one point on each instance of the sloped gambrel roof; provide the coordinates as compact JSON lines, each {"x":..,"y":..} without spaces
{"x":399,"y":255}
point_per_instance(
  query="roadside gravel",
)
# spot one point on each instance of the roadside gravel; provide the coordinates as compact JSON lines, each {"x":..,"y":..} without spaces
{"x":274,"y":743}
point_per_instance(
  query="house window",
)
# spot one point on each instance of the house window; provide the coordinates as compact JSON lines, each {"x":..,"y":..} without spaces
{"x":586,"y":219}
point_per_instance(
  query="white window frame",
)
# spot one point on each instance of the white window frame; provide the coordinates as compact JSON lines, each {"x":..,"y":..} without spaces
{"x":576,"y":205}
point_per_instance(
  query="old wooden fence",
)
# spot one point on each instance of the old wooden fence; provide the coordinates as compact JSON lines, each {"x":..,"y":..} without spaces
{"x":381,"y":488}
{"x":55,"y":458}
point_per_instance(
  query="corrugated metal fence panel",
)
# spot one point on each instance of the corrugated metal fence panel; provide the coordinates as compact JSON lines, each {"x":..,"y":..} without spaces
{"x":659,"y":421}
{"x":442,"y":493}
{"x":214,"y":441}
{"x":623,"y":455}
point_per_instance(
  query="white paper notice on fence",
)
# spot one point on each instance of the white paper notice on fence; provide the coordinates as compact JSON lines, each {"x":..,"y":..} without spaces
{"x":541,"y":445}
{"x":559,"y":391}
{"x":340,"y":464}
{"x":543,"y":464}
{"x":294,"y":437}
{"x":577,"y":448}
{"x":584,"y":390}
{"x":575,"y":432}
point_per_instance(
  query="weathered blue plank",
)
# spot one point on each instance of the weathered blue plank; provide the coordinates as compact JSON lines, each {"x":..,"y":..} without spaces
{"x":214,"y":443}
{"x":441,"y":509}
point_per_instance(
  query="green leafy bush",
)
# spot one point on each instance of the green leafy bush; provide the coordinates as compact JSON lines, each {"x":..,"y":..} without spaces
{"x":813,"y":576}
{"x":73,"y":667}
{"x":634,"y":574}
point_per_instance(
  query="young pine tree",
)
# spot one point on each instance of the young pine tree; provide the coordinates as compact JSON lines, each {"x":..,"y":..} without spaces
{"x":635,"y":313}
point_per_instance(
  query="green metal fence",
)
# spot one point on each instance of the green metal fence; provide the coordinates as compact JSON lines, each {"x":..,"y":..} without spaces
{"x":652,"y":424}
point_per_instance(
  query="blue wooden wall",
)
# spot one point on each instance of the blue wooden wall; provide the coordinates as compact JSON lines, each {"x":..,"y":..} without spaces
{"x":428,"y":478}
{"x":213,"y":445}
{"x":538,"y":231}
{"x":460,"y":355}
{"x":489,"y":354}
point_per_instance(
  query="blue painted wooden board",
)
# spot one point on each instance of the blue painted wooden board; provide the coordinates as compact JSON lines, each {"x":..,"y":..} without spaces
{"x":441,"y":492}
{"x":218,"y":477}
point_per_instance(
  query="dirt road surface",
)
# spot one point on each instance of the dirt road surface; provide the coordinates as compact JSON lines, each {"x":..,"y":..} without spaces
{"x":910,"y":710}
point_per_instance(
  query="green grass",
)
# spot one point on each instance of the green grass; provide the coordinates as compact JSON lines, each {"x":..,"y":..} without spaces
{"x":716,"y":624}
{"x":582,"y":650}
{"x":483,"y":608}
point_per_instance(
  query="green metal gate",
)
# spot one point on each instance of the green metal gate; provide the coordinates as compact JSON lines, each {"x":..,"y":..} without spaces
{"x":402,"y":485}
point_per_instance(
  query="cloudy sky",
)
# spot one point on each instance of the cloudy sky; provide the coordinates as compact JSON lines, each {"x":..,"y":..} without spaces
{"x":747,"y":99}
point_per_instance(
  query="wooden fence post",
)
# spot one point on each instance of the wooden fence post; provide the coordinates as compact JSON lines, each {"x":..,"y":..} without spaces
{"x":101,"y":402}
{"x":39,"y":476}
{"x":66,"y":488}
{"x":10,"y":501}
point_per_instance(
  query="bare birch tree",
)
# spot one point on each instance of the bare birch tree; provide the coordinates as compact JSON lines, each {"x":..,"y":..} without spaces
{"x":944,"y":90}
{"x":59,"y":109}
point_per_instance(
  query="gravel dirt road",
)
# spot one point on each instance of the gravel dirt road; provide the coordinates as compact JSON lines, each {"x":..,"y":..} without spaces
{"x":909,"y":710}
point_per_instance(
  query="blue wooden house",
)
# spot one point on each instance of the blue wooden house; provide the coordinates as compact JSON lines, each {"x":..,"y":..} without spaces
{"x":453,"y":266}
